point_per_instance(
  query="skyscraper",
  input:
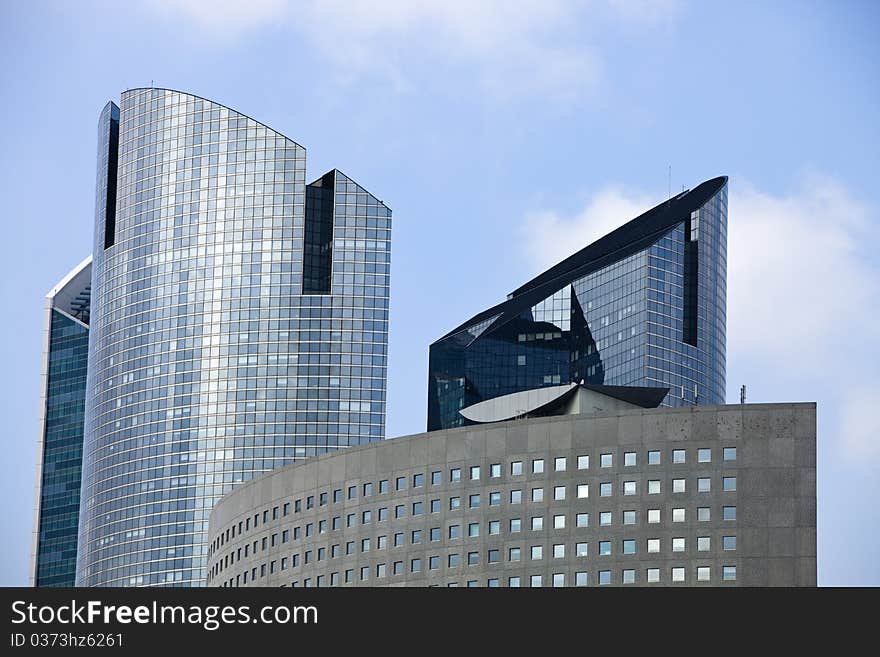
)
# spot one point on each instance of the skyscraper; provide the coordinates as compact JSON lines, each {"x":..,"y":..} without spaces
{"x":643,"y":306}
{"x":239,"y":323}
{"x":62,"y":408}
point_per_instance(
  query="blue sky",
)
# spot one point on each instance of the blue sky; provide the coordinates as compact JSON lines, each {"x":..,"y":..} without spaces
{"x":504,"y":136}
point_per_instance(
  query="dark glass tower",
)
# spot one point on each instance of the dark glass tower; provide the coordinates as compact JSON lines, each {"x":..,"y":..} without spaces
{"x":62,"y":409}
{"x":643,"y":306}
{"x":240,"y":323}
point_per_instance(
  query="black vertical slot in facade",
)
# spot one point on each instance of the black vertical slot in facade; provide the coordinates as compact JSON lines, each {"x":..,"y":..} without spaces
{"x":318,"y":235}
{"x":112,"y":162}
{"x":691,"y":261}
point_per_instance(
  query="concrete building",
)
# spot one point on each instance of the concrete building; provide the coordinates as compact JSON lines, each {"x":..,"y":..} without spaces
{"x":614,"y":494}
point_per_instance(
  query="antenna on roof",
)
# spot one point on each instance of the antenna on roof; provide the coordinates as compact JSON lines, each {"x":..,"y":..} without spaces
{"x":742,"y":394}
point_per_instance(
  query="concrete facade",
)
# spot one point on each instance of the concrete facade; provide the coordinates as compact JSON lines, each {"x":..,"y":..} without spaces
{"x":745,"y":517}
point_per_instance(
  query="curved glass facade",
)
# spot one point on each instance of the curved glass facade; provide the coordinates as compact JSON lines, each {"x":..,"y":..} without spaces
{"x":644,"y":306}
{"x":218,"y":350}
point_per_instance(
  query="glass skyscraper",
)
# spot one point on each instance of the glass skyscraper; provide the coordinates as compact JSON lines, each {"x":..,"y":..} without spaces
{"x":239,"y":323}
{"x":62,"y":408}
{"x":643,"y":306}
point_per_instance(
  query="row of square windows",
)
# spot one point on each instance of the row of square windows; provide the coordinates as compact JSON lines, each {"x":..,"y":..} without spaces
{"x":454,"y":532}
{"x":560,"y":464}
{"x":677,"y":574}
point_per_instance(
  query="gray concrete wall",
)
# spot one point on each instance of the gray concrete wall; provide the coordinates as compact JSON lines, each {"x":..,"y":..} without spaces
{"x":775,"y":500}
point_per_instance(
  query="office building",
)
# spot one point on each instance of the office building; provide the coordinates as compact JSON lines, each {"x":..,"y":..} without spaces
{"x":239,"y":324}
{"x":643,"y":306}
{"x":60,"y":441}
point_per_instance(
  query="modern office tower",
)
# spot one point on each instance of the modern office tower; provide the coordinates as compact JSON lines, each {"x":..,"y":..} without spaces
{"x":643,"y":306}
{"x":59,"y":447}
{"x":239,"y":323}
{"x":611,"y":493}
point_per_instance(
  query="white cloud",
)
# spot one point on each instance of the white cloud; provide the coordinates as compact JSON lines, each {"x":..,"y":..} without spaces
{"x":510,"y":48}
{"x":803,"y":290}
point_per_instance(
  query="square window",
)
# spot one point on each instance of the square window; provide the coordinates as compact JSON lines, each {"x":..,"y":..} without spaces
{"x":435,"y":506}
{"x":679,"y":515}
{"x":454,"y":503}
{"x":452,"y":561}
{"x":629,"y":488}
{"x":537,"y":495}
{"x":399,"y":511}
{"x":558,"y":579}
{"x":400,"y":483}
{"x":475,"y":472}
{"x":604,"y":548}
{"x":455,"y":474}
{"x":381,"y":542}
{"x":383,"y":486}
{"x":535,"y":581}
{"x":473,"y":558}
{"x":454,"y":531}
{"x":728,"y":573}
{"x":678,"y":456}
{"x":629,"y":517}
{"x":474,"y":501}
{"x":537,"y":552}
{"x":730,"y":453}
{"x":493,"y":556}
{"x":581,"y":549}
{"x":495,"y":498}
{"x":654,"y":457}
{"x":605,"y":518}
{"x":582,"y":520}
{"x":606,"y":460}
{"x":516,"y":468}
{"x":436,"y":477}
{"x":653,"y":575}
{"x":605,"y":489}
{"x":415,"y":566}
{"x":629,"y":546}
{"x":434,"y":534}
{"x":653,"y":487}
{"x":704,"y":543}
{"x":559,"y":464}
{"x":678,"y":544}
{"x":495,"y":470}
{"x":513,"y":554}
{"x":604,"y":577}
{"x":537,"y":523}
{"x":580,"y":579}
{"x":473,"y":529}
{"x":434,"y":563}
{"x":368,"y":489}
{"x":678,"y":485}
{"x":704,"y":484}
{"x":398,"y":539}
{"x":559,"y":522}
{"x":583,"y":462}
{"x":728,"y":542}
{"x":538,"y":466}
{"x":629,"y":459}
{"x":704,"y":455}
{"x":397,"y":568}
{"x":559,"y":493}
{"x":628,"y":576}
{"x":418,"y":480}
{"x":703,"y":574}
{"x":559,"y":551}
{"x":515,"y":525}
{"x":729,"y":513}
{"x":365,"y":545}
{"x":653,"y":545}
{"x":729,"y":484}
{"x":583,"y":491}
{"x":678,"y":574}
{"x":653,"y":516}
{"x":704,"y":514}
{"x":513,"y":582}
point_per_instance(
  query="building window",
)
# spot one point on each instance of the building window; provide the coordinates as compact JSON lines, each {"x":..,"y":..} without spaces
{"x":678,"y":574}
{"x":492,"y":583}
{"x":582,"y":520}
{"x":559,"y":522}
{"x":454,"y":531}
{"x":436,"y":478}
{"x":418,"y":508}
{"x":729,"y":484}
{"x":513,"y":554}
{"x":654,"y":457}
{"x":629,"y":488}
{"x":559,"y":464}
{"x":473,"y":558}
{"x":704,"y":485}
{"x":383,"y":486}
{"x":399,"y":511}
{"x":728,"y":573}
{"x":678,"y":485}
{"x":604,"y":577}
{"x":580,"y":579}
{"x":494,"y":527}
{"x":415,"y":566}
{"x":653,"y":487}
{"x":380,"y":570}
{"x":455,"y":475}
{"x":349,"y":576}
{"x":400,"y":483}
{"x":337,"y":495}
{"x":538,"y":466}
{"x":629,"y":459}
{"x":678,"y":544}
{"x":474,"y":501}
{"x":703,"y":574}
{"x":558,"y":493}
{"x":537,"y":495}
{"x":704,"y":514}
{"x":558,"y":579}
{"x":494,"y":498}
{"x":452,"y":561}
{"x":653,"y":545}
{"x":583,"y":491}
{"x":729,"y":513}
{"x":513,"y":582}
{"x":581,"y":549}
{"x":495,"y":470}
{"x":629,"y":517}
{"x":653,"y":516}
{"x":537,"y":523}
{"x":473,"y":529}
{"x":454,"y":503}
{"x":559,"y":551}
{"x":366,"y":517}
{"x":535,"y":581}
{"x":583,"y":462}
{"x":730,"y":453}
{"x":368,"y":489}
{"x":605,"y":489}
{"x":629,"y":546}
{"x":628,"y":576}
{"x":537,"y":552}
{"x":365,"y":573}
{"x":397,"y":568}
{"x":653,"y":575}
{"x":679,"y":515}
{"x":704,"y":455}
{"x":678,"y":456}
{"x":416,"y":536}
{"x":606,"y":460}
{"x":398,"y":539}
{"x":516,"y":496}
{"x":475,"y":472}
{"x":516,"y":467}
{"x":515,"y":525}
{"x":728,"y":542}
{"x":352,"y":492}
{"x":604,"y":548}
{"x":605,"y":518}
{"x":381,"y":542}
{"x":434,"y":534}
{"x":435,"y":506}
